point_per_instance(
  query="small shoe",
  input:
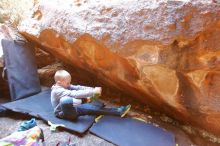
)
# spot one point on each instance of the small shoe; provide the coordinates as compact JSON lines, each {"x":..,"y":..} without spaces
{"x":124,"y":110}
{"x":27,"y":125}
{"x":94,"y":97}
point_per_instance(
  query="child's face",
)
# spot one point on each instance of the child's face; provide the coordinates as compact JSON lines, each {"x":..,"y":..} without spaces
{"x":65,"y":83}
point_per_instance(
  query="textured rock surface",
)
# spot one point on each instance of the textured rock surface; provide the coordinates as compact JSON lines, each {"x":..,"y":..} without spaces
{"x":164,"y":53}
{"x":13,"y":11}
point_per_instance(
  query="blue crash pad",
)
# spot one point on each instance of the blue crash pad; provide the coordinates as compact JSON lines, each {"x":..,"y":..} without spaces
{"x":131,"y":132}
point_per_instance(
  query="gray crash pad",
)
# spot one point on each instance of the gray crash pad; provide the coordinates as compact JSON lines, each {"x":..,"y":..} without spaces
{"x":130,"y":132}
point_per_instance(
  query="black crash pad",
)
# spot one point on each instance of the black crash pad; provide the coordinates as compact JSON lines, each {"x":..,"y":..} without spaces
{"x":130,"y":132}
{"x":21,"y":69}
{"x":39,"y":105}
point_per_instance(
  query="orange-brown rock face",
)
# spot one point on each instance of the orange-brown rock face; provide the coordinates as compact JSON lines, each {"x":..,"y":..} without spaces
{"x":164,"y":53}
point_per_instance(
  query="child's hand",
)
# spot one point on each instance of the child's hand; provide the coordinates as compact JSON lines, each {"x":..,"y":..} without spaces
{"x":88,"y":99}
{"x":98,"y":90}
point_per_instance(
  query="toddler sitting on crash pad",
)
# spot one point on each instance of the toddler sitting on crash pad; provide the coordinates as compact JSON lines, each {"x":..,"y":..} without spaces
{"x":71,"y":101}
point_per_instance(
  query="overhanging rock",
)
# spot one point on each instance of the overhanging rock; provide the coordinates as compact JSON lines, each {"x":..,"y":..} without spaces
{"x":164,"y":53}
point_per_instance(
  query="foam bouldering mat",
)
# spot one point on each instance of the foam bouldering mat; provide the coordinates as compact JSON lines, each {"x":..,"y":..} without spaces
{"x":39,"y":105}
{"x":3,"y":111}
{"x":131,"y":132}
{"x":21,"y":69}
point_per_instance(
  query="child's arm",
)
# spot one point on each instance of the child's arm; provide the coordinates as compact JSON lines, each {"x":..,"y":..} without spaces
{"x":79,"y":87}
{"x":78,"y":93}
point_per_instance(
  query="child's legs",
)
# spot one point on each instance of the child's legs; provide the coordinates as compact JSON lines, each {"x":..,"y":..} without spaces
{"x":71,"y":112}
{"x":66,"y":104}
{"x":90,"y":109}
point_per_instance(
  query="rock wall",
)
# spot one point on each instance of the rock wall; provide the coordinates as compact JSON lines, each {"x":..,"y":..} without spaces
{"x":13,"y":11}
{"x":164,"y":53}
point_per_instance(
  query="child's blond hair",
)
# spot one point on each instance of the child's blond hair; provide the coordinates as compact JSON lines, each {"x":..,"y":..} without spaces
{"x":61,"y":75}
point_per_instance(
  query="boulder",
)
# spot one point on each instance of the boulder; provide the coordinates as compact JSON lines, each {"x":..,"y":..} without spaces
{"x":164,"y":53}
{"x":13,"y":11}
